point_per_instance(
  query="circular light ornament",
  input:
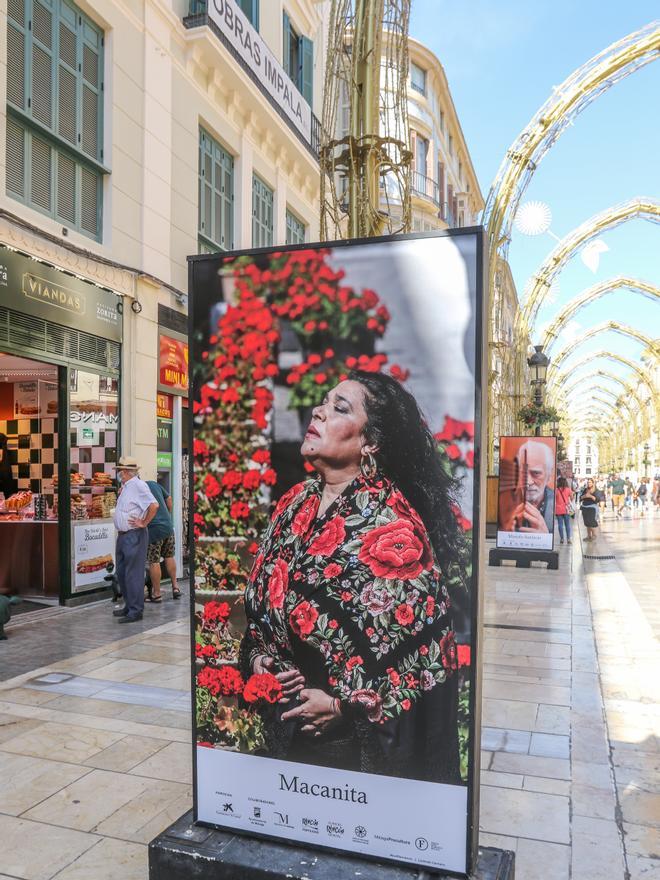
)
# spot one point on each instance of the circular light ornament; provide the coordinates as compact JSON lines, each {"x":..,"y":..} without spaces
{"x":533,"y":218}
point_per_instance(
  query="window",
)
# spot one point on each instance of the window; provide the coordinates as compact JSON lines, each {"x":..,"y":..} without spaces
{"x":421,"y":153}
{"x":216,"y":196}
{"x":417,"y":78}
{"x":451,"y":145}
{"x":55,"y":112}
{"x":587,"y":470}
{"x":262,"y":213}
{"x":251,"y":10}
{"x":295,"y":229}
{"x":298,"y":59}
{"x":442,"y":121}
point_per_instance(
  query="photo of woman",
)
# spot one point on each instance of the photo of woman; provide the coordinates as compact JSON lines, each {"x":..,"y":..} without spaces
{"x":346,"y":603}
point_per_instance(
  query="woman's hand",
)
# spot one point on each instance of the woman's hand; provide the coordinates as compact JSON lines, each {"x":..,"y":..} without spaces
{"x":291,"y":680}
{"x":317,"y":709}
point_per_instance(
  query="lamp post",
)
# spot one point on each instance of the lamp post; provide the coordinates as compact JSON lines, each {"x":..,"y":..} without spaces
{"x":646,"y":461}
{"x":538,"y":365}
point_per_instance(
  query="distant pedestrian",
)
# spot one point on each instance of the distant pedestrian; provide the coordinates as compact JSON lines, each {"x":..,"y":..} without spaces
{"x":136,"y":507}
{"x":618,"y":487}
{"x":589,"y":507}
{"x":161,"y":543}
{"x":601,"y":494}
{"x":642,"y":494}
{"x":563,"y":504}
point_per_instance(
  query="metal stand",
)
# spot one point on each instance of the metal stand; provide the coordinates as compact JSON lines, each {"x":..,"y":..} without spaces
{"x":523,"y":558}
{"x":187,"y":850}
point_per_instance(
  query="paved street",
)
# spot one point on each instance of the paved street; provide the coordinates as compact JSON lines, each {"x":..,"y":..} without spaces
{"x":95,"y":755}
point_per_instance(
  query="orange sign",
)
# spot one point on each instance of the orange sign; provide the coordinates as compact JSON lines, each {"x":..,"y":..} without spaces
{"x":174,"y":364}
{"x":164,"y":406}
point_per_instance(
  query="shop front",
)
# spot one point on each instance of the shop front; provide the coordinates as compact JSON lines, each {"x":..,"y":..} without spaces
{"x":60,"y":356}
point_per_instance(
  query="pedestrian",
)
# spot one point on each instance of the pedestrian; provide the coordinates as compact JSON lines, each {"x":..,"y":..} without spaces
{"x":161,"y":542}
{"x":563,"y":506}
{"x":642,"y":493}
{"x":589,"y":507}
{"x":575,"y":486}
{"x":601,"y":494}
{"x":136,"y":507}
{"x":618,"y":487}
{"x":8,"y":484}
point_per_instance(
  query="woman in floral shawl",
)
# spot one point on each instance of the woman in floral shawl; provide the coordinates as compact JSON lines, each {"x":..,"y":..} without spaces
{"x":346,"y":603}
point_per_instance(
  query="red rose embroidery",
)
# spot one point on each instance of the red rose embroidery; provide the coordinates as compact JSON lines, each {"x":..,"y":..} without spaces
{"x":332,"y":570}
{"x":278,"y":583}
{"x":405,"y":704}
{"x":424,"y":650}
{"x":394,"y":676}
{"x":332,"y":534}
{"x":404,"y":614}
{"x":305,"y":516}
{"x":288,"y":497}
{"x":448,"y":651}
{"x":302,"y":619}
{"x":333,"y":624}
{"x":396,"y":551}
{"x":370,"y":701}
{"x":353,"y":662}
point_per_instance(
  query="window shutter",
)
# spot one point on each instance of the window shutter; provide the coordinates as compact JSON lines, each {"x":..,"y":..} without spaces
{"x":15,"y":158}
{"x":66,"y":188}
{"x":307,"y":69}
{"x":286,"y":47}
{"x":41,"y":174}
{"x":91,"y":93}
{"x":42,"y":64}
{"x":90,"y":201}
{"x":16,"y":59}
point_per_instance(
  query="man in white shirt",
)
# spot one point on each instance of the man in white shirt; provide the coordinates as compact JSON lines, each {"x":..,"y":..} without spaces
{"x":135,"y":509}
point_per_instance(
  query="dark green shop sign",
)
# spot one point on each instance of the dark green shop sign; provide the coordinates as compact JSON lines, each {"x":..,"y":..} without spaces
{"x":164,"y":435}
{"x":35,"y":289}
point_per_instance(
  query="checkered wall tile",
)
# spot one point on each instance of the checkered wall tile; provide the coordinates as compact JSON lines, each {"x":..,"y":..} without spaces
{"x":32,"y":445}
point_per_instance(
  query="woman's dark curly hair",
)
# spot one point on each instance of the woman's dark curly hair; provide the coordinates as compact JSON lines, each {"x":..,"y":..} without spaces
{"x":408,"y":455}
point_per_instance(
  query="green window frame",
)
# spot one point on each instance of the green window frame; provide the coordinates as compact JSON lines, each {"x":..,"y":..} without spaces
{"x":251,"y":10}
{"x":295,"y":229}
{"x":298,"y":59}
{"x":55,"y":57}
{"x":262,"y":213}
{"x":216,"y":196}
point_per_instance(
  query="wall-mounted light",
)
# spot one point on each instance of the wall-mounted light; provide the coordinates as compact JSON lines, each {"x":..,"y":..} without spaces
{"x":136,"y":307}
{"x":120,"y":308}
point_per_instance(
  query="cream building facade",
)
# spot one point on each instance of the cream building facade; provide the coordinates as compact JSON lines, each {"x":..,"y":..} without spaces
{"x":138,"y":132}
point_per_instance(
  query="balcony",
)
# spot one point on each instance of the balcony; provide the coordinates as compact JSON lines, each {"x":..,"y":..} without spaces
{"x":310,"y":134}
{"x":425,"y":187}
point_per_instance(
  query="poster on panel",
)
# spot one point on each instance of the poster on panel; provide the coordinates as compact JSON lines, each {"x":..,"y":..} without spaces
{"x":526,"y":500}
{"x":336,"y":394}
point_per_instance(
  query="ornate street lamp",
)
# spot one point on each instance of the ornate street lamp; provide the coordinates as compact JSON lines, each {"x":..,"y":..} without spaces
{"x":646,"y":461}
{"x":538,"y":366}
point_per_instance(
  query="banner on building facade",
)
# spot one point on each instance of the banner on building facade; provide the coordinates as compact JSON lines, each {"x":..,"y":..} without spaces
{"x":526,"y":498}
{"x":173,"y":365}
{"x":337,"y":392}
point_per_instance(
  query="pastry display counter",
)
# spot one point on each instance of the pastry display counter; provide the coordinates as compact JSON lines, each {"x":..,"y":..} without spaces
{"x":29,"y":557}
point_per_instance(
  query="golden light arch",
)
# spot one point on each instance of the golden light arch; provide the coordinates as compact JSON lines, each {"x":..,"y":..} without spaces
{"x":619,"y":400}
{"x":560,"y":376}
{"x":553,"y":264}
{"x":624,"y":329}
{"x":627,"y":392}
{"x":591,"y":294}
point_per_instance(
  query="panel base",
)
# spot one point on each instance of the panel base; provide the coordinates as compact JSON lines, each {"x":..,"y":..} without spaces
{"x":196,"y":853}
{"x":523,"y":558}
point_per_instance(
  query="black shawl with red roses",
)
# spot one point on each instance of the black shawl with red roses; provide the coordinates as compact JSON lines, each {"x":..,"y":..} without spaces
{"x":356,"y":600}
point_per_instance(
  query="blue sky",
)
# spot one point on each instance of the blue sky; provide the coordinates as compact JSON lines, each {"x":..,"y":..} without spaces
{"x":502,"y":60}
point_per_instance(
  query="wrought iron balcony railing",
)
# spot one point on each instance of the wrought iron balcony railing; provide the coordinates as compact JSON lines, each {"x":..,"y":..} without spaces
{"x":425,"y":187}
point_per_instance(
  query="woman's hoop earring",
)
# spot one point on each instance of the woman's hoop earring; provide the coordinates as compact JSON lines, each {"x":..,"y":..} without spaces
{"x":368,"y":466}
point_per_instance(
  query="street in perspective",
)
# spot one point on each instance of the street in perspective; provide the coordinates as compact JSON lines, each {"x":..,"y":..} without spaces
{"x":329,"y":440}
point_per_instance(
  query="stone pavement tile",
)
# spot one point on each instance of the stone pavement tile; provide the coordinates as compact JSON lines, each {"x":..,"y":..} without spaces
{"x":34,"y":851}
{"x":161,"y":717}
{"x":596,"y":850}
{"x":596,"y":775}
{"x":86,"y":706}
{"x":173,"y":763}
{"x":26,"y":696}
{"x":533,"y":693}
{"x":549,"y":745}
{"x":498,"y":739}
{"x":547,"y":786}
{"x":503,"y":780}
{"x":27,"y":781}
{"x":123,"y":670}
{"x":173,"y":677}
{"x":61,"y":742}
{"x":88,"y":801}
{"x":638,"y":806}
{"x":537,"y":860}
{"x":13,"y":725}
{"x":499,"y":841}
{"x":508,"y":713}
{"x":152,"y":653}
{"x":643,"y":869}
{"x":592,"y":801}
{"x":626,"y":777}
{"x":125,"y":754}
{"x":530,"y":814}
{"x":589,"y":741}
{"x":109,"y":860}
{"x":532,"y":662}
{"x":553,"y":719}
{"x":531,"y":765}
{"x":641,"y":840}
{"x":149,"y":813}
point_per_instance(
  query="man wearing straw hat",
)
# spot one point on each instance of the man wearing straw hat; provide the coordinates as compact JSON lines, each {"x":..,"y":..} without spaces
{"x":135,"y":509}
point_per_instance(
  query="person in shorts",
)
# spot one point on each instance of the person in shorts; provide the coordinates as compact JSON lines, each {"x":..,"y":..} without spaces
{"x":161,"y":543}
{"x":618,"y":487}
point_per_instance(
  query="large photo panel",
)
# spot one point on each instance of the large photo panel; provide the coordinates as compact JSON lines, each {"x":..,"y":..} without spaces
{"x":526,"y":499}
{"x":336,"y":501}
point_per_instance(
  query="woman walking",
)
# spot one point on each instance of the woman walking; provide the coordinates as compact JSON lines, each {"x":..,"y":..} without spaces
{"x":563,"y":498}
{"x":589,"y":507}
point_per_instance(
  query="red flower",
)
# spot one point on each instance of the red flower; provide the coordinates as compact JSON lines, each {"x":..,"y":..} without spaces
{"x":332,"y":534}
{"x":216,"y":612}
{"x":200,"y":449}
{"x":253,"y":548}
{"x":261,"y":456}
{"x":302,"y":619}
{"x":396,"y":551}
{"x":288,"y":497}
{"x":314,"y":359}
{"x":230,"y":396}
{"x":206,"y":652}
{"x":211,"y":486}
{"x":251,"y":480}
{"x":278,"y":583}
{"x":346,"y":596}
{"x":239,"y":510}
{"x":404,"y":614}
{"x":453,"y":430}
{"x":305,"y":516}
{"x":424,"y":650}
{"x":232,"y":479}
{"x":332,"y":570}
{"x":333,"y":624}
{"x":453,"y":451}
{"x":448,"y":651}
{"x":262,"y":687}
{"x":205,"y":745}
{"x":463,"y":655}
{"x":226,"y":680}
{"x":353,"y":662}
{"x":399,"y":374}
{"x":371,"y":703}
{"x":269,"y":477}
{"x":430,"y":606}
{"x":320,"y":378}
{"x":405,"y":704}
{"x":394,"y":676}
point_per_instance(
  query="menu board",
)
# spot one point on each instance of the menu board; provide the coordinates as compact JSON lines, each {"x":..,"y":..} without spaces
{"x":93,"y":551}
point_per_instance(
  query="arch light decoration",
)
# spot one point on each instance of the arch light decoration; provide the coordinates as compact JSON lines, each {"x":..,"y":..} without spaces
{"x":617,"y":398}
{"x":625,"y":329}
{"x":591,"y":294}
{"x":560,"y":376}
{"x":565,"y":393}
{"x":624,"y":396}
{"x":553,"y":264}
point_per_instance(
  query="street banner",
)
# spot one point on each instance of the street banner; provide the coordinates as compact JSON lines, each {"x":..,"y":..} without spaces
{"x":526,"y":498}
{"x":337,"y":392}
{"x":565,"y":469}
